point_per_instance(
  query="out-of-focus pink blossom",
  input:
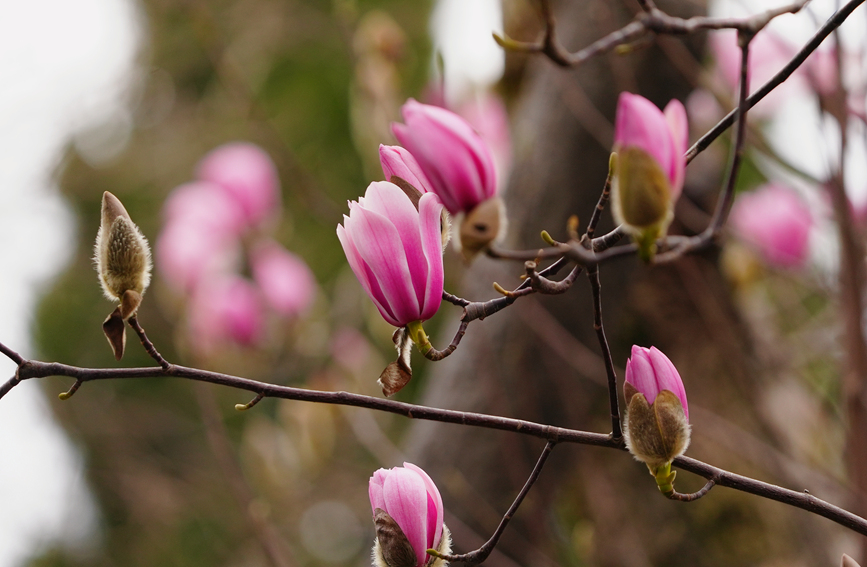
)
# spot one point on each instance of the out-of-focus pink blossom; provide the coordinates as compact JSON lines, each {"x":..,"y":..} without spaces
{"x":398,"y":162}
{"x":187,"y":253}
{"x":768,"y":54}
{"x":395,"y":251}
{"x":286,"y":282}
{"x":411,"y":498}
{"x":487,"y":114}
{"x":454,"y":158}
{"x":247,"y":173}
{"x":776,"y":222}
{"x":225,"y":309}
{"x":205,"y":205}
{"x":650,"y":372}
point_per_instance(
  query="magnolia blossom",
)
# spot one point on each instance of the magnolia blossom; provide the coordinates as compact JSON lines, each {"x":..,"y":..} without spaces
{"x":285,"y":280}
{"x":408,"y":497}
{"x":225,"y":309}
{"x":248,"y":175}
{"x":395,"y":251}
{"x":453,"y":157}
{"x":657,"y":418}
{"x":775,"y":221}
{"x":398,"y":162}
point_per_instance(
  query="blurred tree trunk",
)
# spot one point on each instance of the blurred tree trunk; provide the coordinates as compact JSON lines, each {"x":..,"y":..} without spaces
{"x":539,"y":359}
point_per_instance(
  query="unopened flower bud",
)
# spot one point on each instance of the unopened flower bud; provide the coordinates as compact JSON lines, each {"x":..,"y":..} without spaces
{"x":648,"y":171}
{"x":657,"y":418}
{"x":408,"y":515}
{"x":123,"y":262}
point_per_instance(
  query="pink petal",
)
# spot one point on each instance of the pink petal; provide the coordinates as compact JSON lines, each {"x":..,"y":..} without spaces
{"x":675,"y":116}
{"x":364,"y":275}
{"x":430,"y":217}
{"x":640,"y":124}
{"x":667,"y":377}
{"x":406,"y":500}
{"x":391,"y":202}
{"x":435,"y":511}
{"x":379,"y":244}
{"x":225,"y":309}
{"x":374,"y":489}
{"x":397,"y":161}
{"x":639,"y":373}
{"x":204,"y":204}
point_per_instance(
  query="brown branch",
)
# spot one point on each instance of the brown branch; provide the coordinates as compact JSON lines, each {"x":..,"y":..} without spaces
{"x":482,"y":553}
{"x":613,"y":400}
{"x":675,"y":495}
{"x":832,"y":24}
{"x":147,"y":344}
{"x":29,"y":369}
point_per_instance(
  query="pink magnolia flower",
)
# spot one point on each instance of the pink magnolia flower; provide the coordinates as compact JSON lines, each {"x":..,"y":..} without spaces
{"x":776,"y":222}
{"x":454,"y":158}
{"x":410,"y":497}
{"x":398,"y":162}
{"x":285,"y":280}
{"x":395,"y":251}
{"x":649,"y":371}
{"x":663,"y":135}
{"x":487,"y":114}
{"x":248,"y":175}
{"x":187,"y":254}
{"x":225,"y":309}
{"x":204,"y":204}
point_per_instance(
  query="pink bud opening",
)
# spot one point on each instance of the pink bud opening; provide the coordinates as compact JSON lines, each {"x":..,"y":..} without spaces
{"x":651,"y":372}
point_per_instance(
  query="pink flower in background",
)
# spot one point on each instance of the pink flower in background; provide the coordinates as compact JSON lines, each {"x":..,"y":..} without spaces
{"x":285,"y":280}
{"x":454,"y":158}
{"x":768,"y":54}
{"x":395,"y":251}
{"x":649,"y":371}
{"x":206,"y":205}
{"x":225,"y":309}
{"x":776,"y":222}
{"x":411,"y":498}
{"x":397,"y":161}
{"x":247,"y":173}
{"x":187,"y":254}
{"x":664,"y":136}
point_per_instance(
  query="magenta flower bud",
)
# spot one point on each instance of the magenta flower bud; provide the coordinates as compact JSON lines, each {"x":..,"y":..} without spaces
{"x":454,"y":158}
{"x":395,"y":251}
{"x":398,"y":162}
{"x":649,"y":167}
{"x":408,"y":514}
{"x":657,"y":418}
{"x":286,"y":282}
{"x":776,"y":222}
{"x":248,"y":175}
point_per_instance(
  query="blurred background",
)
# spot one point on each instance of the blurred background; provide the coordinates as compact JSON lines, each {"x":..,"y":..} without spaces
{"x":142,"y":98}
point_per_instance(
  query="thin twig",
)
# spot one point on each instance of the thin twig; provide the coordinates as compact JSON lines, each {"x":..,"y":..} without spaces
{"x":434,"y":354}
{"x":613,"y":400}
{"x":147,"y":344}
{"x":833,"y":23}
{"x":675,"y":495}
{"x":482,"y":553}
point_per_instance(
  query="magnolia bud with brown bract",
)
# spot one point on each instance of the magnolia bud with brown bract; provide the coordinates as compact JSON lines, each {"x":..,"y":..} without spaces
{"x":482,"y":226}
{"x":123,"y":262}
{"x":657,"y":418}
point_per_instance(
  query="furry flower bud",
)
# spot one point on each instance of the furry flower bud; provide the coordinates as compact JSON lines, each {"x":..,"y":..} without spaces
{"x":408,"y":514}
{"x":649,"y":168}
{"x":657,"y":418}
{"x":123,"y":262}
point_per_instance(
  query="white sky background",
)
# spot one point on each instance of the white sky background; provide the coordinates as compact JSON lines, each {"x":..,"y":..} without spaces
{"x":63,"y":66}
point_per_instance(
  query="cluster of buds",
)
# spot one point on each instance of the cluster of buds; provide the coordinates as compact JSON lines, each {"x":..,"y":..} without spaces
{"x":657,"y":415}
{"x":215,"y":224}
{"x":408,"y":516}
{"x":394,"y":236}
{"x":123,"y":262}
